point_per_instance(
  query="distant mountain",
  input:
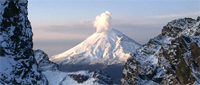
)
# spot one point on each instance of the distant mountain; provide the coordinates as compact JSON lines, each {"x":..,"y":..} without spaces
{"x":107,"y":50}
{"x":171,"y":58}
{"x":56,"y":77}
{"x":17,"y":63}
{"x":107,"y":47}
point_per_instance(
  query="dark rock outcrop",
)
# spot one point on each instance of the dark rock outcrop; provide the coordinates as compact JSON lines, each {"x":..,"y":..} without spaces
{"x":18,"y":65}
{"x":79,"y":78}
{"x":102,"y":77}
{"x":99,"y":77}
{"x":108,"y":69}
{"x":170,"y":58}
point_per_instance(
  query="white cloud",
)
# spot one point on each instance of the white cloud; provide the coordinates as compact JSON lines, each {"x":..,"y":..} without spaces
{"x":42,"y":36}
{"x":102,"y":21}
{"x":82,"y":29}
{"x":59,"y":38}
{"x":175,"y":15}
{"x":62,"y":32}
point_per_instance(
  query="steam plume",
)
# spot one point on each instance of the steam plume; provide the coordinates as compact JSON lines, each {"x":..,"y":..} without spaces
{"x":102,"y":22}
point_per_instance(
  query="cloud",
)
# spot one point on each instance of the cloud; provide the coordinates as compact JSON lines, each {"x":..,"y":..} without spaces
{"x":102,"y":22}
{"x":62,"y":32}
{"x":75,"y":27}
{"x":175,"y":15}
{"x":82,"y":29}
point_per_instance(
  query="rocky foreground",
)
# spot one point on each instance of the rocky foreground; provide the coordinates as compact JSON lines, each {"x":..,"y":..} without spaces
{"x":173,"y":57}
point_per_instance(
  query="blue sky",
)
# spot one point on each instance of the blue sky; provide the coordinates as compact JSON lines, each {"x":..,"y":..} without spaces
{"x":59,"y":25}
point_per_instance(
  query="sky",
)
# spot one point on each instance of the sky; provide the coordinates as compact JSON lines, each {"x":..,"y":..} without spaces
{"x":59,"y":25}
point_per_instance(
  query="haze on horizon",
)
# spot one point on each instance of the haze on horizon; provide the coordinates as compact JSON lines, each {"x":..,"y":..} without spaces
{"x":59,"y":25}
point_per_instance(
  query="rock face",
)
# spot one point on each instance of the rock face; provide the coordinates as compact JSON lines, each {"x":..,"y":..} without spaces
{"x":43,"y":61}
{"x":18,"y":65}
{"x":56,"y":77}
{"x":170,"y":58}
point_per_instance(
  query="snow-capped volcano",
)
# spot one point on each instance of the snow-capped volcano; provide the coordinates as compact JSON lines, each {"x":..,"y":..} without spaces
{"x":107,"y":47}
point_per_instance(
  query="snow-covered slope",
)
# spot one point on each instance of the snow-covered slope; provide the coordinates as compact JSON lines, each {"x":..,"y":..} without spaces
{"x":56,"y":77}
{"x":17,"y":63}
{"x":107,"y":47}
{"x":171,"y":58}
{"x":78,"y":78}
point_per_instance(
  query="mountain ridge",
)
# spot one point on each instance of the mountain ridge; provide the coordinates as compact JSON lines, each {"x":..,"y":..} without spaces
{"x":170,"y":58}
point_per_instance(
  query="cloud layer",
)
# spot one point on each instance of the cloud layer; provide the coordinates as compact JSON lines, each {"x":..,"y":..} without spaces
{"x":102,"y":21}
{"x":175,"y":15}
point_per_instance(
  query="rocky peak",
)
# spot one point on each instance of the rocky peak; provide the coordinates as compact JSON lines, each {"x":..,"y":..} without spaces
{"x":43,"y":61}
{"x":170,"y":58}
{"x":18,"y":65}
{"x":15,"y":28}
{"x":198,"y":18}
{"x":175,"y":27}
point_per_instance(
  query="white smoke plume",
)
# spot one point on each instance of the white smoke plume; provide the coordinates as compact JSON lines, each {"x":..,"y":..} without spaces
{"x":102,"y":22}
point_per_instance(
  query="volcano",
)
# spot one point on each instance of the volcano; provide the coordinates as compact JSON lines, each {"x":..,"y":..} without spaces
{"x":107,"y":50}
{"x":108,"y":47}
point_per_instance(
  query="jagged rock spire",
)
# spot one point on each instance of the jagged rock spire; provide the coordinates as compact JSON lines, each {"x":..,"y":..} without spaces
{"x":18,"y":65}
